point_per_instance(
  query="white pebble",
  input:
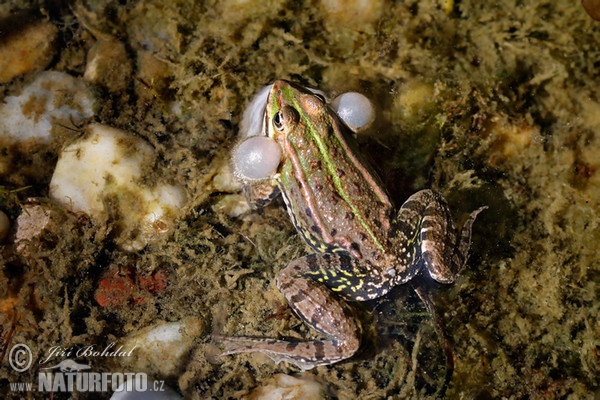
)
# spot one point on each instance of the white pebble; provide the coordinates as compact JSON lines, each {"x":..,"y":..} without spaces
{"x":354,"y":109}
{"x":32,"y":221}
{"x":281,"y":387}
{"x":162,"y":349}
{"x":108,"y":162}
{"x":52,"y":98}
{"x":256,"y":158}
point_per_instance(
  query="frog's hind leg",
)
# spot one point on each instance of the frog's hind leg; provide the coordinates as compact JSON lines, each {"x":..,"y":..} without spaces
{"x":304,"y":355}
{"x":307,"y":285}
{"x":443,"y":249}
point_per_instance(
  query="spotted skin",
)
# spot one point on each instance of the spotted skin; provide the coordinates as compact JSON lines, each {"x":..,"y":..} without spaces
{"x":338,"y":205}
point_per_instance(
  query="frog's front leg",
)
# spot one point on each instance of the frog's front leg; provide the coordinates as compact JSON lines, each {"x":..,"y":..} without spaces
{"x":313,"y":287}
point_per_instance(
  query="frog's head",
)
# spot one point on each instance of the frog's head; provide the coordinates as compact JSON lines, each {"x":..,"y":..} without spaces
{"x":290,"y":106}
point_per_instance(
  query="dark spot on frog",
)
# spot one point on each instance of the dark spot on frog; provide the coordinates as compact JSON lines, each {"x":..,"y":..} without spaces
{"x":333,"y":232}
{"x":350,"y":216}
{"x":286,"y":285}
{"x":308,"y":212}
{"x":291,"y":346}
{"x":319,"y":187}
{"x":315,"y":318}
{"x":297,"y":298}
{"x":319,"y":350}
{"x":316,"y":229}
{"x":311,"y":261}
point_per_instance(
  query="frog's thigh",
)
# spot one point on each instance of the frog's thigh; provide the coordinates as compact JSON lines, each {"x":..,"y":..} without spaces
{"x":341,"y":273}
{"x":305,"y":285}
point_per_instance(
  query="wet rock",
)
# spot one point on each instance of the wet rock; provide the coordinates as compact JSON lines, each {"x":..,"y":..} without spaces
{"x":281,"y":387}
{"x":111,"y":168}
{"x":27,"y":45}
{"x":161,"y":350}
{"x":108,"y":65}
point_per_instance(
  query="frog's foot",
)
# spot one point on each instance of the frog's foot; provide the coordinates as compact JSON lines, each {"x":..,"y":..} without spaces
{"x":461,"y":253}
{"x":445,"y":260}
{"x":444,"y":341}
{"x":304,"y":355}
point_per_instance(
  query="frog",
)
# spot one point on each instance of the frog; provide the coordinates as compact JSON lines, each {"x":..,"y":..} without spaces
{"x":362,"y":246}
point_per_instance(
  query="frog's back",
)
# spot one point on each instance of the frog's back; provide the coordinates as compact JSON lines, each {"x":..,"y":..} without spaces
{"x":335,"y":201}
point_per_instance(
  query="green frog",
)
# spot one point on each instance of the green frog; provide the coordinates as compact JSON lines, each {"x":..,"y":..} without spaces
{"x":363,"y":247}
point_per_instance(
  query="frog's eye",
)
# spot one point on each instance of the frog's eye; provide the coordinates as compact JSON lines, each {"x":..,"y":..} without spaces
{"x":286,"y":117}
{"x":277,"y":122}
{"x":320,"y":97}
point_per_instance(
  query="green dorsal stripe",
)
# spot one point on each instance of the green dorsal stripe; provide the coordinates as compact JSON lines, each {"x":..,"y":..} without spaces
{"x":331,"y":168}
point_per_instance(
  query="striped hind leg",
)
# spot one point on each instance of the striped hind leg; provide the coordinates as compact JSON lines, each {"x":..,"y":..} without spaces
{"x":308,"y":284}
{"x":444,"y":250}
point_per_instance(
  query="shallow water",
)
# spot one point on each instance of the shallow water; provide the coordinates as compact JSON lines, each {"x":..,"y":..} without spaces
{"x":490,"y":104}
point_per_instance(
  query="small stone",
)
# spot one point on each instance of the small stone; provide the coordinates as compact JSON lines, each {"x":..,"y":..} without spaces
{"x":27,"y":45}
{"x":162,"y":349}
{"x":111,"y":164}
{"x":108,"y":65}
{"x":30,"y":224}
{"x":281,"y":387}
